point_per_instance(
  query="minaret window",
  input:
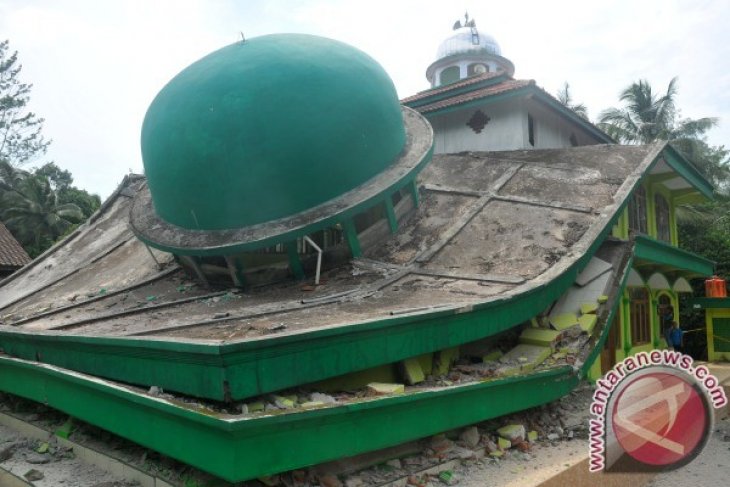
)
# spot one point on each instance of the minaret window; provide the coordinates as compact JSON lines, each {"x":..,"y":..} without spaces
{"x":449,"y":75}
{"x":477,"y":68}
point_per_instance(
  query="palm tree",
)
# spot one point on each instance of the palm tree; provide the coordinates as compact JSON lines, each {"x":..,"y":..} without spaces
{"x":31,"y":210}
{"x":647,"y":117}
{"x":566,"y":100}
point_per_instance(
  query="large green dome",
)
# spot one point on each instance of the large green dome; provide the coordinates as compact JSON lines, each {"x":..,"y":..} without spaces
{"x":267,"y":128}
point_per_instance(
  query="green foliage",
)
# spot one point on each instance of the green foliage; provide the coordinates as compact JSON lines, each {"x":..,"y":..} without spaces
{"x":707,"y":232}
{"x":41,"y":205}
{"x":60,"y":179}
{"x":33,"y":213}
{"x":20,"y":130}
{"x":646,"y":117}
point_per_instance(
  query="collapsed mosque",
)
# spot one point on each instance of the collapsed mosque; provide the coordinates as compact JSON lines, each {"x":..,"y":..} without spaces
{"x":311,"y":269}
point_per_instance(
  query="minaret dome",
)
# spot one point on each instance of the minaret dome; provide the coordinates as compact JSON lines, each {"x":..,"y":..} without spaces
{"x":466,"y":52}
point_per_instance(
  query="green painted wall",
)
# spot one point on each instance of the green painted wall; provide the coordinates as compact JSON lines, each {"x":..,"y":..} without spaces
{"x":266,"y":128}
{"x":718,"y":348}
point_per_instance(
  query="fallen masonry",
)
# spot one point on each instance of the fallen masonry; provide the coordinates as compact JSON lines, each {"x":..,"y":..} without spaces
{"x":524,"y":438}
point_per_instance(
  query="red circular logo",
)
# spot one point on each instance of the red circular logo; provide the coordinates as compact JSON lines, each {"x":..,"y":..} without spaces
{"x":661,"y":419}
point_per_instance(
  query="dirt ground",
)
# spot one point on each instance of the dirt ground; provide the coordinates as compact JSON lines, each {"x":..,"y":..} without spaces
{"x":56,"y":467}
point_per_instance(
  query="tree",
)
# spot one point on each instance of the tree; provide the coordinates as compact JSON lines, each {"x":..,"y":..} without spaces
{"x":563,"y":96}
{"x":33,"y":213}
{"x":20,"y":130}
{"x":647,"y":117}
{"x":59,"y":178}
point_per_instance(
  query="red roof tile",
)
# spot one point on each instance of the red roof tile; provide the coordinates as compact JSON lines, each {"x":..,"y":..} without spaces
{"x":11,"y":253}
{"x":505,"y":86}
{"x":459,"y":84}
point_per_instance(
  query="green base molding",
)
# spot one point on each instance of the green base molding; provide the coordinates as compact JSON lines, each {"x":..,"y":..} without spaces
{"x":239,"y":449}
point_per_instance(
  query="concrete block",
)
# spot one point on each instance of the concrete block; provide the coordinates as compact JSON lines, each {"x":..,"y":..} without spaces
{"x":444,"y":359}
{"x":563,"y":321}
{"x":509,"y":370}
{"x":540,"y":336}
{"x":588,"y":308}
{"x":412,"y":371}
{"x":64,"y":431}
{"x":587,"y":322}
{"x":504,"y":443}
{"x":515,"y":433}
{"x":386,"y":374}
{"x":470,"y":436}
{"x":526,"y":356}
{"x":492,"y":356}
{"x":284,"y":402}
{"x":426,"y":362}
{"x":255,"y":407}
{"x":379,"y":388}
{"x":312,"y":404}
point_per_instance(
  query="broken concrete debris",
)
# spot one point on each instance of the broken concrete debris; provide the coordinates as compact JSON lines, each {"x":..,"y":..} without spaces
{"x":515,"y":433}
{"x":588,"y":308}
{"x":34,"y":475}
{"x":587,"y":322}
{"x":412,"y":371}
{"x":381,"y":389}
{"x":540,"y":336}
{"x":470,"y":437}
{"x":444,"y":359}
{"x":323,"y":398}
{"x":564,"y":321}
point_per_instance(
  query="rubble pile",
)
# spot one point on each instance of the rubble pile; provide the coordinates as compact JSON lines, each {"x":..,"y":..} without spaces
{"x":446,"y":458}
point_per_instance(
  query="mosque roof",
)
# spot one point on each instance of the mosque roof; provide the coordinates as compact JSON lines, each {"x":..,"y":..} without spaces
{"x":12,"y":253}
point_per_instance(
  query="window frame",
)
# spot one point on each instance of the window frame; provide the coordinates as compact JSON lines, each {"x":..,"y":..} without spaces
{"x":637,"y":211}
{"x":640,"y":316}
{"x":663,"y":223}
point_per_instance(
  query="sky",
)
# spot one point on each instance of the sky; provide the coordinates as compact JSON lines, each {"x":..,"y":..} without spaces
{"x":96,"y":65}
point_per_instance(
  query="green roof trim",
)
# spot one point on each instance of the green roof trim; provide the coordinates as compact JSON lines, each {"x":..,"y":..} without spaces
{"x":688,"y":171}
{"x":444,"y":94}
{"x":241,"y":449}
{"x":486,"y":100}
{"x":662,"y":253}
{"x":530,"y":89}
{"x":248,"y":368}
{"x":586,"y":125}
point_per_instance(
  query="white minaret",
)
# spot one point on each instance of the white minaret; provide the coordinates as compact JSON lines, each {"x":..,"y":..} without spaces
{"x":466,"y":52}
